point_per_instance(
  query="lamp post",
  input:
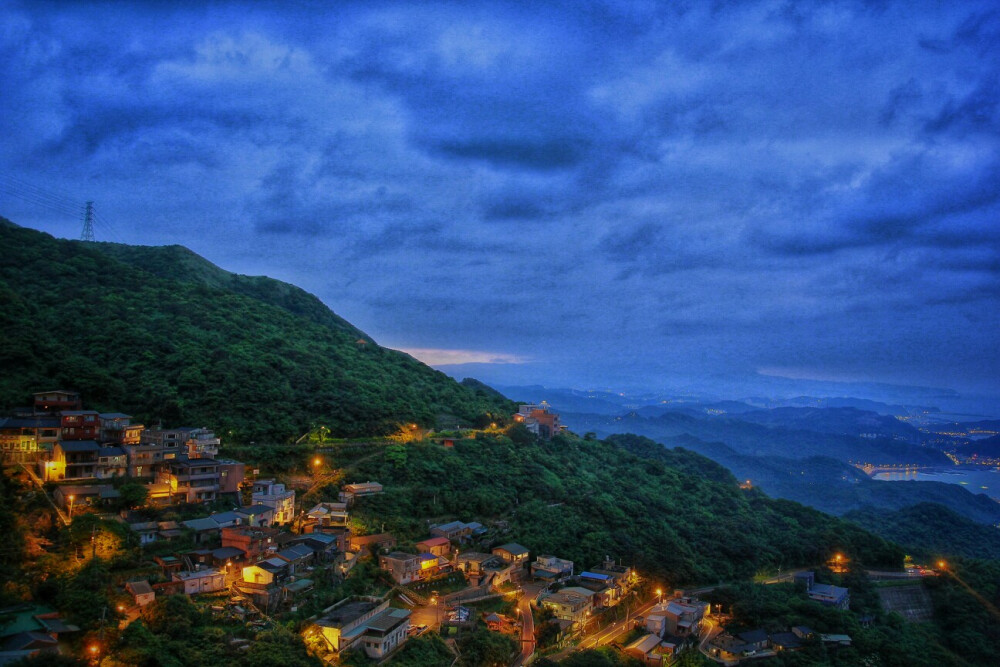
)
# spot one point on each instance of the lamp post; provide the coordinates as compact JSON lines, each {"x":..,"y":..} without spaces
{"x":659,"y":594}
{"x":71,"y":498}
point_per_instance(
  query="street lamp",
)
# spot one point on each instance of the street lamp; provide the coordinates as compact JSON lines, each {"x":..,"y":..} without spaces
{"x":659,"y":593}
{"x":71,"y":498}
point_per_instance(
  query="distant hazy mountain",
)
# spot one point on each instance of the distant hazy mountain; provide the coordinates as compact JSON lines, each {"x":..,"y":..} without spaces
{"x":791,"y":434}
{"x":843,"y":421}
{"x":163,"y":334}
{"x":825,"y":483}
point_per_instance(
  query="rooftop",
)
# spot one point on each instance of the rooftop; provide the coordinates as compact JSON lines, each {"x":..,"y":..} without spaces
{"x":513,"y":548}
{"x":79,"y":446}
{"x":389,"y":619}
{"x":346,"y":613}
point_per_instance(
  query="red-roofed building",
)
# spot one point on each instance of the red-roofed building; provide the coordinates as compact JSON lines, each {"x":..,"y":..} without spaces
{"x":439,"y":546}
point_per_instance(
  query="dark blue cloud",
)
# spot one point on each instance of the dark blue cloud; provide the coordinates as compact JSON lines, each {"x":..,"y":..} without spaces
{"x":710,"y":186}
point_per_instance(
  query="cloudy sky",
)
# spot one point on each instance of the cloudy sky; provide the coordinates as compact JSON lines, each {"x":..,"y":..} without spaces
{"x":582,"y":193}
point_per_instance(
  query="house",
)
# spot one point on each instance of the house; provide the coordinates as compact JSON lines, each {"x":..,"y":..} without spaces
{"x":512,"y":553}
{"x":268,"y":492}
{"x":832,"y":596}
{"x":201,"y":581}
{"x":352,"y":491}
{"x":473,"y":563}
{"x":682,"y":617}
{"x":733,"y":648}
{"x":226,"y":558}
{"x":606,"y":592}
{"x":21,"y":645}
{"x":205,"y":530}
{"x":451,"y":531}
{"x":226,"y":519}
{"x":142,"y":459}
{"x":169,"y":564}
{"x":406,"y":568}
{"x":540,"y":419}
{"x":267,"y":572}
{"x":256,"y":542}
{"x":117,"y":428}
{"x":294,"y":590}
{"x":649,"y":649}
{"x":231,"y":475}
{"x":111,"y":462}
{"x":79,"y":425}
{"x":29,"y":439}
{"x":256,"y":515}
{"x":169,"y":530}
{"x":328,"y":515}
{"x":297,"y":555}
{"x":377,"y":541}
{"x":141,"y":592}
{"x":385,"y":632}
{"x":550,"y":568}
{"x":74,"y":459}
{"x":146,"y":530}
{"x":366,"y":623}
{"x":569,"y":605}
{"x":82,"y":495}
{"x":202,"y":443}
{"x":188,"y":441}
{"x":30,"y":629}
{"x":623,"y":576}
{"x":323,"y":545}
{"x":758,"y":639}
{"x":786,"y":641}
{"x":54,"y":402}
{"x":439,"y":546}
{"x":190,"y":480}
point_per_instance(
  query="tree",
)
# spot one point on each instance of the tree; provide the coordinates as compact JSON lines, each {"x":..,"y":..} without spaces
{"x":482,"y":648}
{"x":131,"y":495}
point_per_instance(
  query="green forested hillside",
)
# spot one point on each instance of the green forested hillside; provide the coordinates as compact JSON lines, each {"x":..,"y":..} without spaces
{"x":164,"y":335}
{"x":929,"y":531}
{"x":681,"y":519}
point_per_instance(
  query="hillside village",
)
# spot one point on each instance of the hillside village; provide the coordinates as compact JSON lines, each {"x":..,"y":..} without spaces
{"x":266,"y":556}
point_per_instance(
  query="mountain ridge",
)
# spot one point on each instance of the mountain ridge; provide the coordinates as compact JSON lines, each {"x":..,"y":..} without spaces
{"x":166,"y":335}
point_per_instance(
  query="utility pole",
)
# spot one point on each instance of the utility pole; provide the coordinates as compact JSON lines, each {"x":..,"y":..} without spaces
{"x":88,"y":223}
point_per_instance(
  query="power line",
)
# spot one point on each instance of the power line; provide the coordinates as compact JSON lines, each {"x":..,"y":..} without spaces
{"x":63,"y":203}
{"x":34,"y":194}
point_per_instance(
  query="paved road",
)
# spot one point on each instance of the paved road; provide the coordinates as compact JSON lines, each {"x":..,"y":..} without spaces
{"x":527,"y":630}
{"x":430,"y":615}
{"x":709,"y":630}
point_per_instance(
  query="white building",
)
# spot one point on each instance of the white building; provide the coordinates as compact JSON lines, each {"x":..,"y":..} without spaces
{"x":268,"y":492}
{"x":201,"y":581}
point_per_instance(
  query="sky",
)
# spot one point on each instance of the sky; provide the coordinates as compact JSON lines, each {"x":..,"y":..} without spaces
{"x":582,"y":194}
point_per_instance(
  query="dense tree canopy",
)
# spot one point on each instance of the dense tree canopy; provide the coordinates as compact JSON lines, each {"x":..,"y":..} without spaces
{"x":682,"y":520}
{"x":166,"y":336}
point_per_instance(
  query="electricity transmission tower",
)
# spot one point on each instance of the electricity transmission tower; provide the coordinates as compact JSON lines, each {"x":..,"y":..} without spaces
{"x":88,"y":223}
